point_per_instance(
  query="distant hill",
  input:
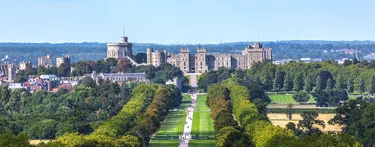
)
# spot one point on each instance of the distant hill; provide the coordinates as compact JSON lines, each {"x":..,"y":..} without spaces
{"x":293,"y":49}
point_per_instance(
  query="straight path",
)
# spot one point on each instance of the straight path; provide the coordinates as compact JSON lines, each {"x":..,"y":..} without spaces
{"x":186,"y":136}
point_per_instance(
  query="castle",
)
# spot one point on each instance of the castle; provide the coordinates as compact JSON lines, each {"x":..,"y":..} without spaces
{"x":120,"y":50}
{"x":202,"y":61}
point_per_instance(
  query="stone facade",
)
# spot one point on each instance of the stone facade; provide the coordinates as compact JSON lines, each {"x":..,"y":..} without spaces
{"x":65,"y":60}
{"x":155,"y":58}
{"x":202,"y":62}
{"x":120,"y":50}
{"x":23,"y":65}
{"x":45,"y":61}
{"x":7,"y":72}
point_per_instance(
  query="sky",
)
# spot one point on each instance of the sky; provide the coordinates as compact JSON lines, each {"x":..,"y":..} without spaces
{"x":185,"y":21}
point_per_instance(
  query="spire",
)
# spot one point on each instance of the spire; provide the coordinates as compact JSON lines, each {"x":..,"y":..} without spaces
{"x":124,"y":31}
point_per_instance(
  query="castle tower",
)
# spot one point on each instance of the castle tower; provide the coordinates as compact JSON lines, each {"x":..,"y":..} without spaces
{"x":149,"y":56}
{"x":201,"y":61}
{"x":120,"y":50}
{"x":185,"y":60}
{"x":11,"y":72}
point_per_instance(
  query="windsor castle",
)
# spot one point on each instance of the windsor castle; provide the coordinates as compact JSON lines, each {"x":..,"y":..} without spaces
{"x":201,"y":62}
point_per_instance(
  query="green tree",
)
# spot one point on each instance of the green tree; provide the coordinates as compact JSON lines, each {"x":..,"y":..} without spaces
{"x":9,"y":140}
{"x":318,"y":84}
{"x":341,"y":83}
{"x":361,"y":86}
{"x":298,"y":82}
{"x":63,"y":70}
{"x":42,"y":70}
{"x":309,"y":83}
{"x":140,"y":58}
{"x":288,"y":83}
{"x":308,"y":122}
{"x":371,"y":88}
{"x":350,"y":85}
{"x":279,"y":80}
{"x":330,"y":84}
{"x":267,"y":83}
{"x":347,"y":62}
{"x":289,"y":111}
{"x":301,"y":96}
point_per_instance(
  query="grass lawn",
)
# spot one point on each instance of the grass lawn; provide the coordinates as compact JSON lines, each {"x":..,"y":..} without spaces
{"x":173,"y":124}
{"x":164,"y":143}
{"x":203,"y":125}
{"x":202,"y":143}
{"x":282,"y":98}
{"x":201,"y":103}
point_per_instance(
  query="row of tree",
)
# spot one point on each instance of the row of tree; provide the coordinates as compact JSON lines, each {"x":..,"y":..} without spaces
{"x":227,"y":130}
{"x":263,"y":133}
{"x":134,"y":124}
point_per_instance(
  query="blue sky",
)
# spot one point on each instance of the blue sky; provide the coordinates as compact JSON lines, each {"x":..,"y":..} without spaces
{"x":185,"y":21}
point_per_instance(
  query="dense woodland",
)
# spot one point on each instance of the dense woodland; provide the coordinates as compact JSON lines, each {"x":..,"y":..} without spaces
{"x":97,"y":51}
{"x":119,"y":115}
{"x":43,"y":115}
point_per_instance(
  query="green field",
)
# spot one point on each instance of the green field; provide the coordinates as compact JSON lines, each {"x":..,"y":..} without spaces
{"x":282,"y":98}
{"x":173,"y":124}
{"x":202,"y":143}
{"x":164,"y":143}
{"x":203,"y":126}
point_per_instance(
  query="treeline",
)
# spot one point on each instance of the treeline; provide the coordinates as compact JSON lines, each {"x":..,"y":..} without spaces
{"x":328,"y":82}
{"x":134,"y":124}
{"x":263,"y":134}
{"x":44,"y":115}
{"x":227,"y":130}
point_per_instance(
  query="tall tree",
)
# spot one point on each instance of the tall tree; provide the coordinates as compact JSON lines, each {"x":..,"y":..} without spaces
{"x":289,"y":111}
{"x":308,"y":122}
{"x":371,"y":88}
{"x":341,"y":83}
{"x":278,"y":82}
{"x":298,"y":82}
{"x":350,"y":86}
{"x":288,"y":83}
{"x":330,"y":84}
{"x":361,"y":86}
{"x":267,"y":83}
{"x":318,"y":84}
{"x":309,"y":83}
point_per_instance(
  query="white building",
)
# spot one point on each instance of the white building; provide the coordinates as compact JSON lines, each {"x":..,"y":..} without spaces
{"x":119,"y":77}
{"x":13,"y":86}
{"x":49,"y":77}
{"x":176,"y":82}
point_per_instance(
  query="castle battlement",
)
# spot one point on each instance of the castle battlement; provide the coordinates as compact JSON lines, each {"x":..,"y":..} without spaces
{"x":185,"y":50}
{"x":202,"y":61}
